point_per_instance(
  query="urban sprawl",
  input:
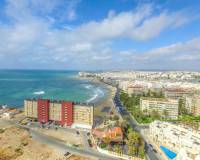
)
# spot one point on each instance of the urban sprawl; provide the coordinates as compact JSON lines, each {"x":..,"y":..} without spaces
{"x":168,"y":102}
{"x":152,"y":115}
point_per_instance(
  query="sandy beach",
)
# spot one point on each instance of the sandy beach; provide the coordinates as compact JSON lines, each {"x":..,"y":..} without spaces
{"x":105,"y":106}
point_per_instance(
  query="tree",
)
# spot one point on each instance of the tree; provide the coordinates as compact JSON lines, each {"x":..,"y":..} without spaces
{"x":133,"y":143}
{"x":149,"y":93}
{"x":106,"y":140}
{"x":155,"y":114}
{"x":165,"y":113}
{"x":161,"y":94}
{"x":118,"y":149}
{"x":181,"y":107}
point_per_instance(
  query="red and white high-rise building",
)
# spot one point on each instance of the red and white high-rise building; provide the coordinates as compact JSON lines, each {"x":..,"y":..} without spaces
{"x":64,"y":113}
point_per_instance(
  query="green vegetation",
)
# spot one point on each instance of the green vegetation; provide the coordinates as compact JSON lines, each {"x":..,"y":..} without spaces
{"x":19,"y":151}
{"x":181,"y":107}
{"x":103,"y":145}
{"x":25,"y":143}
{"x":135,"y":144}
{"x":1,"y":130}
{"x":132,"y":104}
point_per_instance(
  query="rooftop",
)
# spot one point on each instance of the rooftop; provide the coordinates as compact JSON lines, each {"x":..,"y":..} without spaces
{"x":60,"y":101}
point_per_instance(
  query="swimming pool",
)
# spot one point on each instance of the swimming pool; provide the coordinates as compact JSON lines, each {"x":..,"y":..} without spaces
{"x":168,"y":153}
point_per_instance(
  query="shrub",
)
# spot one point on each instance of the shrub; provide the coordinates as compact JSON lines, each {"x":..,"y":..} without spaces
{"x":2,"y":130}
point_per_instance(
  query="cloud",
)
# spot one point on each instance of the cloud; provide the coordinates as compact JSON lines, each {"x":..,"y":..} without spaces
{"x":57,"y":10}
{"x":31,"y":38}
{"x":102,"y":57}
{"x":141,"y":24}
{"x":182,"y":49}
{"x":181,"y":56}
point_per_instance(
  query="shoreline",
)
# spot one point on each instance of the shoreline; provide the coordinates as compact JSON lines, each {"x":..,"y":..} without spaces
{"x":99,"y":102}
{"x":106,"y":102}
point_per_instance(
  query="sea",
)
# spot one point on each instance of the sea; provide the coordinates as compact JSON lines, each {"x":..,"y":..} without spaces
{"x":17,"y":85}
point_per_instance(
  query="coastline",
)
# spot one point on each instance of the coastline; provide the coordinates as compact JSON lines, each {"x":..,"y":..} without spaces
{"x":106,"y":102}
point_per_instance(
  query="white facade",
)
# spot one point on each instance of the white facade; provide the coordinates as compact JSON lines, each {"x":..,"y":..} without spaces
{"x":179,"y":139}
{"x":160,"y":105}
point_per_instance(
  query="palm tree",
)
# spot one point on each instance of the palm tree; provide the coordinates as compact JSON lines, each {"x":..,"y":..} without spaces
{"x":165,"y":113}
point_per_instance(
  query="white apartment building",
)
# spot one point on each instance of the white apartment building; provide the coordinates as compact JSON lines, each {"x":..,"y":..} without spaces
{"x":180,"y":139}
{"x":167,"y":108}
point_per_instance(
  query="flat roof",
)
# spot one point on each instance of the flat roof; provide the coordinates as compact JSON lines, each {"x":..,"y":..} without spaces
{"x":158,"y":99}
{"x":59,"y":101}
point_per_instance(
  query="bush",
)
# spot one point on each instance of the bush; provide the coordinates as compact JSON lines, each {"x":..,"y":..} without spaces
{"x":2,"y":130}
{"x":24,"y":143}
{"x":103,"y":145}
{"x":19,"y":151}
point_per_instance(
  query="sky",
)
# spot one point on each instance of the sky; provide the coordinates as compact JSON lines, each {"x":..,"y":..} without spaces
{"x":100,"y":34}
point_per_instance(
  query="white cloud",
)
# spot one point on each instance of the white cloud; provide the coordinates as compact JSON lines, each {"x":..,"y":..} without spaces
{"x":102,"y":57}
{"x":190,"y":47}
{"x":31,"y":37}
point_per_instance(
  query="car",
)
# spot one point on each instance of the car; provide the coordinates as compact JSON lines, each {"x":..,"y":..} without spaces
{"x":151,"y":145}
{"x":66,"y":154}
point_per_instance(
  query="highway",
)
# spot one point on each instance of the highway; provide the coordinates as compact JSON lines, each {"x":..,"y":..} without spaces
{"x":126,"y":115}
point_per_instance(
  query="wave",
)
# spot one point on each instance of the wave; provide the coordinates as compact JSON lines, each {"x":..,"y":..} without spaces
{"x":98,"y":93}
{"x":88,"y":86}
{"x":39,"y":92}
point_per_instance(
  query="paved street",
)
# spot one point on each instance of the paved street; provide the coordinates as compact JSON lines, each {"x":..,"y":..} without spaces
{"x":85,"y":140}
{"x":64,"y":148}
{"x":60,"y":145}
{"x":121,"y":109}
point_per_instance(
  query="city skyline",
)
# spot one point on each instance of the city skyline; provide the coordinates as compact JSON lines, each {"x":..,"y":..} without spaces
{"x":100,"y":35}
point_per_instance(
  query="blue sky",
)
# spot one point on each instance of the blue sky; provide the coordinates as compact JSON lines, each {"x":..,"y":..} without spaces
{"x":100,"y":34}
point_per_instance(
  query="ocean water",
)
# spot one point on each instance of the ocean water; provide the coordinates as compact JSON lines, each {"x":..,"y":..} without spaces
{"x":17,"y":85}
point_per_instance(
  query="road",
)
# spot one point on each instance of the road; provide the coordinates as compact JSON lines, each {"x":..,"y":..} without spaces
{"x":126,"y":115}
{"x":64,"y":148}
{"x":59,"y":144}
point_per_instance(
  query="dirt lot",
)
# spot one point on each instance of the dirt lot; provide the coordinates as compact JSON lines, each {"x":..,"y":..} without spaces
{"x":66,"y":136}
{"x":16,"y":144}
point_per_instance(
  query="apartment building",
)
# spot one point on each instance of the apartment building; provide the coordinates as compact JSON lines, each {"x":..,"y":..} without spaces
{"x":167,"y":108}
{"x":180,"y":139}
{"x":31,"y":108}
{"x":136,"y":89}
{"x":192,"y":105}
{"x":60,"y":112}
{"x":82,"y":116}
{"x":176,"y":93}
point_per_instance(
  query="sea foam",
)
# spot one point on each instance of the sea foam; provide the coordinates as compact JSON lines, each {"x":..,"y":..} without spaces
{"x":39,"y":92}
{"x":98,"y":93}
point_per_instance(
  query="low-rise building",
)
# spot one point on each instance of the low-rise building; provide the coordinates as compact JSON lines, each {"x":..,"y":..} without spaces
{"x":60,"y":112}
{"x":114,"y":134}
{"x":177,"y":138}
{"x":192,"y":105}
{"x":167,"y":108}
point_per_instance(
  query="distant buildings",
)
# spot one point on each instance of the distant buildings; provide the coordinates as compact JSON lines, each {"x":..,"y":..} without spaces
{"x":180,"y":139}
{"x":176,"y":93}
{"x":60,"y":112}
{"x":136,"y":90}
{"x":192,"y":105}
{"x":167,"y":108}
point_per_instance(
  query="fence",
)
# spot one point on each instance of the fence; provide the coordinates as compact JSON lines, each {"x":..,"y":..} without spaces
{"x":117,"y":155}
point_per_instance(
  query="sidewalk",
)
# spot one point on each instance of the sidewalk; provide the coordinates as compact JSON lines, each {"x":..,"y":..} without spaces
{"x":155,"y":145}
